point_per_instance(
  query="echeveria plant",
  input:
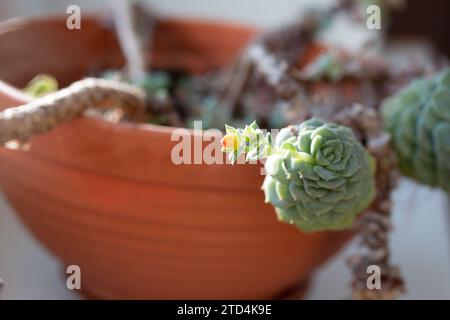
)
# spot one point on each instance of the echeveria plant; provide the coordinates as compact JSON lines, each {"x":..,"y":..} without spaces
{"x":318,"y":175}
{"x":418,"y":119}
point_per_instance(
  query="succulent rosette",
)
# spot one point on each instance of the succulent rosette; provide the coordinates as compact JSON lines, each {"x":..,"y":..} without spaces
{"x":418,"y":119}
{"x":318,"y":175}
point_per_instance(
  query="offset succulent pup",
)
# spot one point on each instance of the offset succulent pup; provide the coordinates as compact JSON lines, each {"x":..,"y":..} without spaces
{"x":318,"y":175}
{"x":418,"y":119}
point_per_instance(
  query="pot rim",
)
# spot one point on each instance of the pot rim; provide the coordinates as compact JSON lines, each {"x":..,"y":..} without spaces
{"x":26,"y":22}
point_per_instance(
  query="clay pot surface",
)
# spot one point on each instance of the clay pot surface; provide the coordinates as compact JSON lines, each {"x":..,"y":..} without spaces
{"x":108,"y":198}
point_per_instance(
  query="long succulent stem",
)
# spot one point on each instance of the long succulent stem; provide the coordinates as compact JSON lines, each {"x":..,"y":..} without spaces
{"x":307,"y":189}
{"x":373,"y":228}
{"x":43,"y":114}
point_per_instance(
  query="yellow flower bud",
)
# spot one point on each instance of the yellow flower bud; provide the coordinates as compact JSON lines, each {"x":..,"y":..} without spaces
{"x":230,"y":142}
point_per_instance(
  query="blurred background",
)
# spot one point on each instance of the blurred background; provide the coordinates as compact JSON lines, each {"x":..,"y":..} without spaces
{"x":418,"y":18}
{"x":262,"y":13}
{"x":421,"y":242}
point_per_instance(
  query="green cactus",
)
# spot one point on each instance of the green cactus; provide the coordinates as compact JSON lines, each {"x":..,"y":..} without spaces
{"x":318,"y":176}
{"x":418,"y":119}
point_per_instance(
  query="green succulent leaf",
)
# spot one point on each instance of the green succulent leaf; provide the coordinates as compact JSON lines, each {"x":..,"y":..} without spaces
{"x":41,"y":85}
{"x":418,"y":119}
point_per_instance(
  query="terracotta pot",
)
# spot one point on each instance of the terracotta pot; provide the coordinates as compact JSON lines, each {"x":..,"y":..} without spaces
{"x":108,"y":198}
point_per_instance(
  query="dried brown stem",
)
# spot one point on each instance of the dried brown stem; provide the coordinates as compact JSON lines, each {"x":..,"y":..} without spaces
{"x":274,"y":70}
{"x":41,"y":115}
{"x":374,"y":226}
{"x":268,"y":64}
{"x":269,"y":56}
{"x":236,"y":82}
{"x":134,"y":28}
